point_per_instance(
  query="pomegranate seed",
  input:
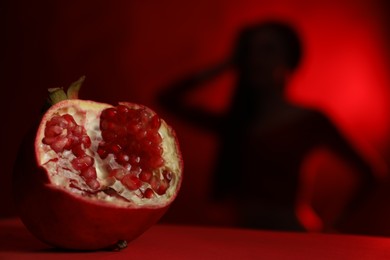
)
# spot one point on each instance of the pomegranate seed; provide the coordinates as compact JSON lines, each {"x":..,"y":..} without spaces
{"x":104,"y":125}
{"x":145,"y":176}
{"x":157,"y":162}
{"x":154,"y":183}
{"x":134,"y":160}
{"x":164,"y":185}
{"x":58,"y":120}
{"x":48,"y":140}
{"x":123,"y":158}
{"x":147,"y":142}
{"x":122,"y":109}
{"x":53,"y":121}
{"x":148,"y":193}
{"x":123,"y":141}
{"x":109,"y":113}
{"x":114,"y":148}
{"x":80,"y":163}
{"x":142,"y":134}
{"x":127,"y":167}
{"x":89,"y":173}
{"x":53,"y":130}
{"x":102,"y":152}
{"x":78,"y":130}
{"x":155,"y":122}
{"x":93,"y":184}
{"x":121,"y":132}
{"x":59,"y":144}
{"x":78,"y":150}
{"x":135,"y":170}
{"x":123,"y":112}
{"x":69,"y":143}
{"x":107,"y":125}
{"x":118,"y":173}
{"x":86,"y":141}
{"x":74,"y":140}
{"x":131,"y":182}
{"x":69,"y":118}
{"x":144,"y":116}
{"x":167,"y":175}
{"x":133,"y":128}
{"x":154,"y":137}
{"x":109,"y":136}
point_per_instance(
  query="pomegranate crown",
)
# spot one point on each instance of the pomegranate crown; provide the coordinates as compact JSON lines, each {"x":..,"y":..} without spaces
{"x":58,"y":94}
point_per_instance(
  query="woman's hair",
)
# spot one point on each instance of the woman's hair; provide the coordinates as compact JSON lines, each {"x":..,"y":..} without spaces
{"x":281,"y":33}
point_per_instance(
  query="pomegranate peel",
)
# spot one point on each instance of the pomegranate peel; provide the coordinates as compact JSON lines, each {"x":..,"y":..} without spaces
{"x":95,"y":176}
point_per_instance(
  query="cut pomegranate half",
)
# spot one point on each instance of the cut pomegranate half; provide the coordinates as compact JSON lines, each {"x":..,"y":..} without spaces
{"x":102,"y":174}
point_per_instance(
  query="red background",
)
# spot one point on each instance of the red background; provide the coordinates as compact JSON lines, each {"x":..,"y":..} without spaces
{"x":130,"y":50}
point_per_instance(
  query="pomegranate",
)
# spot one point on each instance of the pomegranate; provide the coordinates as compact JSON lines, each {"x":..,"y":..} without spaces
{"x":95,"y":176}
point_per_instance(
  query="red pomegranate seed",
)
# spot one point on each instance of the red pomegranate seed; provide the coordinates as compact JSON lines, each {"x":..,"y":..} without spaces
{"x":93,"y":184}
{"x":53,"y":130}
{"x":78,"y":150}
{"x":154,"y":183}
{"x":167,"y":175}
{"x":121,"y":132}
{"x":102,"y":153}
{"x":59,"y":144}
{"x":123,"y":112}
{"x":122,"y":109}
{"x":148,"y":193}
{"x":155,"y":122}
{"x":89,"y":173}
{"x":74,"y":140}
{"x":117,"y":173}
{"x":114,"y":148}
{"x":123,"y":142}
{"x":58,"y":120}
{"x":144,"y":116}
{"x":109,"y":136}
{"x":135,"y":170}
{"x":109,"y":126}
{"x":154,"y":137}
{"x":78,"y":130}
{"x":109,"y":113}
{"x":164,"y":185}
{"x":145,"y":176}
{"x":157,"y":162}
{"x":131,"y":182}
{"x":104,"y":125}
{"x":55,"y":120}
{"x":133,"y":128}
{"x":142,"y":133}
{"x":69,"y":143}
{"x":80,"y":163}
{"x":69,"y":118}
{"x":134,"y":160}
{"x":48,"y":140}
{"x":127,"y":167}
{"x":86,"y":141}
{"x":123,"y":158}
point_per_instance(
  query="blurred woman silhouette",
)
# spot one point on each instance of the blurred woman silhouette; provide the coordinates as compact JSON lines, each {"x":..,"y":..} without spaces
{"x":263,"y":137}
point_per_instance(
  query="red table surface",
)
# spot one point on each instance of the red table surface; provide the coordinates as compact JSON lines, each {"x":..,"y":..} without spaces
{"x":190,"y":242}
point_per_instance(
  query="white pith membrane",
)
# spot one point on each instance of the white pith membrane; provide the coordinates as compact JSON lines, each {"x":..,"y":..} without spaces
{"x":62,"y":173}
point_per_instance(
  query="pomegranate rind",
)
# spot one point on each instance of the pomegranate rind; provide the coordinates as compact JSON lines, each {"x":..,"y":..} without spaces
{"x":68,"y":220}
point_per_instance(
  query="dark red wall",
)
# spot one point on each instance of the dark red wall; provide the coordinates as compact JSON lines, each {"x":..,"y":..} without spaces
{"x":129,"y":50}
